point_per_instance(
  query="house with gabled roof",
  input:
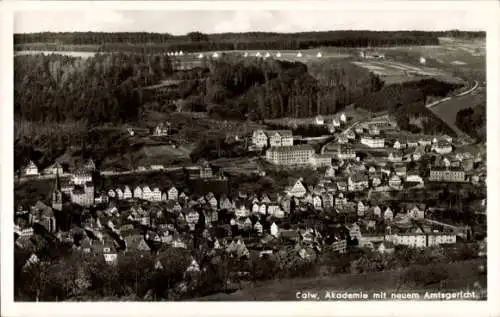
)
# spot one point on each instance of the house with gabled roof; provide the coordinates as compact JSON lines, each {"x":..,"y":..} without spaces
{"x":54,"y":169}
{"x":395,"y":182}
{"x":136,"y":243}
{"x":297,"y":189}
{"x":357,"y":182}
{"x":388,"y":214}
{"x":172,"y":193}
{"x":30,"y":169}
{"x":119,"y":193}
{"x":127,"y":193}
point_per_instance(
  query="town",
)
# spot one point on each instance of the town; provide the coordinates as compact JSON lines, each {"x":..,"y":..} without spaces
{"x":349,"y":191}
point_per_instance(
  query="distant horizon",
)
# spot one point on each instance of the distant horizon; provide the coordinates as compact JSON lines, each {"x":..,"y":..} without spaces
{"x":180,"y":22}
{"x":263,"y":32}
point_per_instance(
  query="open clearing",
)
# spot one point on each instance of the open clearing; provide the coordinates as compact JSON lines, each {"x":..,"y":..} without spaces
{"x":462,"y":276}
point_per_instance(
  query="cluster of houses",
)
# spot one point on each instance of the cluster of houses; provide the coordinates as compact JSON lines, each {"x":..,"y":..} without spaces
{"x":249,"y":223}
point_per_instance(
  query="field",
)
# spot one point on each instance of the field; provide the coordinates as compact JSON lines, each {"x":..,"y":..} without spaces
{"x":447,"y":111}
{"x":462,"y":277}
{"x":352,"y":115}
{"x":243,"y":165}
{"x":396,"y":72}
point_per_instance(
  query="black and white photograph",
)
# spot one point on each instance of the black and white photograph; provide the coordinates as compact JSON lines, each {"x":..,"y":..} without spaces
{"x":248,"y":154}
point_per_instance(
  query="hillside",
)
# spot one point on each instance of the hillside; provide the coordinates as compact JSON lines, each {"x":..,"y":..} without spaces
{"x":388,"y":281}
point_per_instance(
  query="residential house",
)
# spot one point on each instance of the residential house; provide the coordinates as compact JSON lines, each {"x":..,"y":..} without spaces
{"x":395,"y":182}
{"x":388,"y":214}
{"x":138,"y":192}
{"x":162,"y":129}
{"x":442,"y":147}
{"x":278,"y":138}
{"x":343,"y":118}
{"x":30,"y":169}
{"x":272,"y":209}
{"x":258,"y":227}
{"x":317,"y":203}
{"x":346,"y":153}
{"x":225,"y":203}
{"x":357,"y":182}
{"x":255,"y":207}
{"x":119,"y":193}
{"x":414,"y":177}
{"x":330,"y":172}
{"x":134,"y":243}
{"x":395,"y":156}
{"x":400,"y":170}
{"x":146,"y":193}
{"x":354,"y":231}
{"x":156,"y":194}
{"x":262,"y":209}
{"x":416,"y":240}
{"x":320,"y":160}
{"x":275,"y":230}
{"x":440,"y":238}
{"x":319,"y":120}
{"x":89,"y":166}
{"x":297,"y":189}
{"x":361,"y":209}
{"x":111,"y":193}
{"x":377,"y":212}
{"x":342,"y":139}
{"x":127,"y":193}
{"x":54,"y":169}
{"x":241,"y":211}
{"x":259,"y":139}
{"x":213,"y":202}
{"x":81,"y":177}
{"x":206,"y":170}
{"x":416,"y":213}
{"x":397,"y":145}
{"x":373,"y":130}
{"x":350,"y":135}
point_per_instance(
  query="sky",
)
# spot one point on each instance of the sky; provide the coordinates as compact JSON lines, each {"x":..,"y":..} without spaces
{"x":182,"y":22}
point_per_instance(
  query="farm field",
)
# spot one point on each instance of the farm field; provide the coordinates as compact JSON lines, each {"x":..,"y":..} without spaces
{"x":396,"y":72}
{"x":462,"y":276}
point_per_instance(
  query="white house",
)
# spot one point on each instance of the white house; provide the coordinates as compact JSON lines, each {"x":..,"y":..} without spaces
{"x":299,"y":54}
{"x":343,"y":118}
{"x":388,"y":214}
{"x":138,"y":193}
{"x":297,"y":190}
{"x":31,"y":169}
{"x":275,"y":230}
{"x":259,"y":138}
{"x":127,"y":193}
{"x":319,"y":120}
{"x":319,"y":55}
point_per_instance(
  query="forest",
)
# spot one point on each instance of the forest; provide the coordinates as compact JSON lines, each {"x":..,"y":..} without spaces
{"x":197,"y":41}
{"x":473,"y":121}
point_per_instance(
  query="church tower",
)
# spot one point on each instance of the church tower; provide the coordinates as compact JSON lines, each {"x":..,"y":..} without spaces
{"x":57,"y":197}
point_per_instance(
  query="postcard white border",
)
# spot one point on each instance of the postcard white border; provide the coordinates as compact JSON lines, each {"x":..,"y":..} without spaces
{"x":488,"y":12}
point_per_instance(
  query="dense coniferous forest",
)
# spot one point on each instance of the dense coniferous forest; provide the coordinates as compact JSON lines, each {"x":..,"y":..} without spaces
{"x":473,"y":121}
{"x":196,"y":41}
{"x":58,"y":88}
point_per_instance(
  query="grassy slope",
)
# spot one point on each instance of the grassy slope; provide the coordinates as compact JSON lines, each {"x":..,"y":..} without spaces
{"x":380,"y":281}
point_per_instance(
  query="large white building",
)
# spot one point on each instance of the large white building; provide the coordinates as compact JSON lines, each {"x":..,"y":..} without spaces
{"x":372,"y":142}
{"x":290,"y":155}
